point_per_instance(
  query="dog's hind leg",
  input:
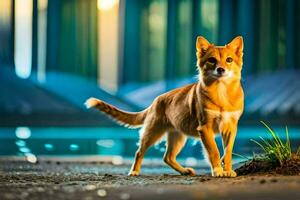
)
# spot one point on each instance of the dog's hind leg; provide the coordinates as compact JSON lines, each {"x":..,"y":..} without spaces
{"x":149,"y":136}
{"x":175,"y":143}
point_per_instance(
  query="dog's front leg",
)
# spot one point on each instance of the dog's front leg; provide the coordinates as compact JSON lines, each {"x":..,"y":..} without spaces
{"x":208,"y":140}
{"x":228,"y":138}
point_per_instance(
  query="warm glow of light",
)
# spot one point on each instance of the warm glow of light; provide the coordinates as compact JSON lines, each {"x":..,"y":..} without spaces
{"x":117,"y":160}
{"x":5,"y":13}
{"x":23,"y":37}
{"x":108,"y":44}
{"x":101,"y":193}
{"x":31,"y":158}
{"x":106,"y":4}
{"x":42,"y":4}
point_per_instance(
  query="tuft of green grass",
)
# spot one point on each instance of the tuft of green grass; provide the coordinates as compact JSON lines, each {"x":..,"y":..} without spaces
{"x":275,"y":150}
{"x":241,"y":156}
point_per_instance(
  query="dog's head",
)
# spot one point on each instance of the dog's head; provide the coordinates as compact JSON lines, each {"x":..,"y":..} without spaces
{"x":220,"y":63}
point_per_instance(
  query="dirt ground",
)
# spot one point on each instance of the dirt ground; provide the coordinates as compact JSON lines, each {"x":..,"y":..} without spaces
{"x":74,"y":180}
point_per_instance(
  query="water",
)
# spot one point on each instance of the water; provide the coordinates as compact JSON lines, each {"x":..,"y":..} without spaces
{"x":118,"y":141}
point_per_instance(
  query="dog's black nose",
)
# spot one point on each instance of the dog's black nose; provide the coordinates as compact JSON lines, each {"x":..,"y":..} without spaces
{"x":220,"y":70}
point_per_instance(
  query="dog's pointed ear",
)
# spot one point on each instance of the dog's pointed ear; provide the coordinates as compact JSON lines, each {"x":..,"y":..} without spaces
{"x":237,"y":45}
{"x":202,"y":45}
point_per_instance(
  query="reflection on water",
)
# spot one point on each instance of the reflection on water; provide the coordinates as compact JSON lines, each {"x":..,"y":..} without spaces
{"x":23,"y":150}
{"x":120,"y":142}
{"x":23,"y":132}
{"x":48,"y":147}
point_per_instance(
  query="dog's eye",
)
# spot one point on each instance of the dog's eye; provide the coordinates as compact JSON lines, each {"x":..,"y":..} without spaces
{"x":212,"y":60}
{"x":229,"y":60}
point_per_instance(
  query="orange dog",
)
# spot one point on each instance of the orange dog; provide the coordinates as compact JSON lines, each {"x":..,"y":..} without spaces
{"x":213,"y":105}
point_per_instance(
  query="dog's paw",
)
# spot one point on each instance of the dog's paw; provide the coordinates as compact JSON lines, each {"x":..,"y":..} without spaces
{"x":230,"y":174}
{"x":133,"y":173}
{"x":188,"y":172}
{"x":217,"y":172}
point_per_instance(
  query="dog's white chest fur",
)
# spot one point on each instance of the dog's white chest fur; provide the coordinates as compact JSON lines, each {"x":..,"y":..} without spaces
{"x":223,"y":119}
{"x":224,"y":116}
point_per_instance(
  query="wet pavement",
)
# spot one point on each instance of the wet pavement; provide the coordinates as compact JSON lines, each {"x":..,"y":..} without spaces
{"x":57,"y":179}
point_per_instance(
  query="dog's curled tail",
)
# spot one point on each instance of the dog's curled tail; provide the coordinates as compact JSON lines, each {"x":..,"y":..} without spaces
{"x":128,"y":119}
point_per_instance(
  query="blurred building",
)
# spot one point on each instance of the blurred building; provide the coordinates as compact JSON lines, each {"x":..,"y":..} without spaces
{"x":136,"y":49}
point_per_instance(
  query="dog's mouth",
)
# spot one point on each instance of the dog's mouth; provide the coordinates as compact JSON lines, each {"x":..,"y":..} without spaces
{"x":217,"y":76}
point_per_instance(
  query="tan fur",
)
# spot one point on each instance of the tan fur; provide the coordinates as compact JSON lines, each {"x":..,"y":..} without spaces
{"x":213,"y":105}
{"x":128,"y":119}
